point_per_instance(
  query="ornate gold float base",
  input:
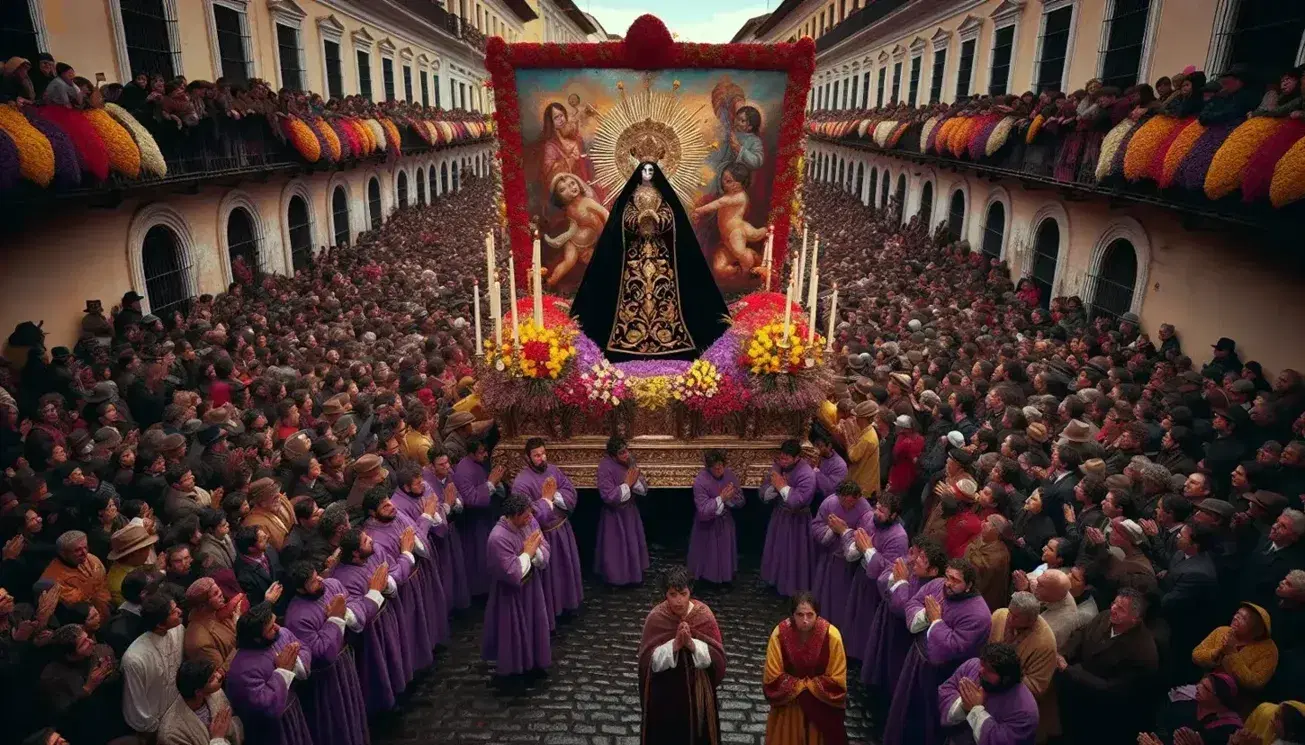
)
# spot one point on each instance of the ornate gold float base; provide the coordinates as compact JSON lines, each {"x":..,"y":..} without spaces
{"x":668,"y":443}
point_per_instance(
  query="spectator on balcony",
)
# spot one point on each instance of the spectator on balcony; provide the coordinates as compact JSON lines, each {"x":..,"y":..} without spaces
{"x":1237,"y":97}
{"x":62,"y":91}
{"x":1285,"y":100}
{"x":16,"y":83}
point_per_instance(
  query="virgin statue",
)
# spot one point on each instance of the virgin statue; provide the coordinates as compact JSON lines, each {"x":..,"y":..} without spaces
{"x":648,"y":293}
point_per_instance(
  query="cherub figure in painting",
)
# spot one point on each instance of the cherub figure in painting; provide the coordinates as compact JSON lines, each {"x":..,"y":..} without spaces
{"x":733,"y":257}
{"x":585,"y":217}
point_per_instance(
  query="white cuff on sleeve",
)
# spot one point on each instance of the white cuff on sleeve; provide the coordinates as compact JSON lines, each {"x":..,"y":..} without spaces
{"x":640,"y":487}
{"x":625,"y":492}
{"x":376,"y":597}
{"x":525,"y":564}
{"x":218,"y":741}
{"x":701,"y":654}
{"x":868,"y":557}
{"x":457,"y":504}
{"x":559,"y":502}
{"x":784,"y":491}
{"x":720,"y":505}
{"x":956,"y":714}
{"x":919,"y":622}
{"x":663,"y":657}
{"x":286,"y":675}
{"x":391,"y":586}
{"x":978,"y":717}
{"x":301,"y":672}
{"x":892,"y":586}
{"x":852,"y":554}
{"x":351,"y":619}
{"x":340,"y":623}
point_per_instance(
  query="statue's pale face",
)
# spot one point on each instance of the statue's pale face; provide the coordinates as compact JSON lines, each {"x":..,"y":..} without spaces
{"x":647,"y":172}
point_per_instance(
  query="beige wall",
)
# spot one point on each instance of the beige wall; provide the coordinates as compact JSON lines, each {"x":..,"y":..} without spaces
{"x":1204,"y":282}
{"x":51,"y":266}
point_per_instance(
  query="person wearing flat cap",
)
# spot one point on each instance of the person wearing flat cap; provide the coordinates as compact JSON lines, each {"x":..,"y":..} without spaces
{"x":128,"y":314}
{"x":270,"y":510}
{"x":368,"y":472}
{"x":1115,"y":554}
{"x":861,"y":439}
{"x":899,"y":394}
{"x":457,"y":432}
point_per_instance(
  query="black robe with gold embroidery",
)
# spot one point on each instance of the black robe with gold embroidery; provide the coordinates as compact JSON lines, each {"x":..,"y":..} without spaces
{"x":648,"y":292}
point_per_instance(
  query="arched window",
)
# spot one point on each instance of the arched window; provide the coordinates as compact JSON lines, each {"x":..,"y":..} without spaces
{"x":374,"y":202}
{"x":340,"y":215}
{"x":874,"y":187}
{"x":402,"y":190}
{"x":242,"y":242}
{"x":926,"y":205}
{"x":421,"y":186}
{"x":860,"y":179}
{"x":167,"y":272}
{"x":301,"y":233}
{"x":994,"y":230}
{"x":956,"y":215}
{"x":444,"y":178}
{"x":1116,"y":278}
{"x":900,"y":196}
{"x":455,"y":176}
{"x":842,"y":182}
{"x":1046,"y":254}
{"x":430,"y":177}
{"x":888,"y":187}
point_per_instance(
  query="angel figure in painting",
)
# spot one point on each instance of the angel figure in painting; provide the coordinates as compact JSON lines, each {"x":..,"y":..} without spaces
{"x":733,"y":257}
{"x":585,"y":221}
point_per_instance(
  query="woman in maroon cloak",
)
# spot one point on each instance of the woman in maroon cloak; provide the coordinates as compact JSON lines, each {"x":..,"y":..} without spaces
{"x":681,"y":661}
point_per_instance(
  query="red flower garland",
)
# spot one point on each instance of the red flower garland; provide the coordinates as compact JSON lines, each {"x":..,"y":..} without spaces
{"x":647,"y":46}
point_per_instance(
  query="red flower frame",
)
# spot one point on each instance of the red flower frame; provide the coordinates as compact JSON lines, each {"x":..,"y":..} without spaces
{"x":647,"y":46}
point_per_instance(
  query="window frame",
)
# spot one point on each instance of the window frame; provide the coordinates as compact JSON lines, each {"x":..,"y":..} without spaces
{"x":362,"y":45}
{"x":329,"y":29}
{"x":241,"y":9}
{"x":1010,"y":60}
{"x":1049,"y":7}
{"x":1219,"y":54}
{"x":125,"y":73}
{"x":1149,"y":27}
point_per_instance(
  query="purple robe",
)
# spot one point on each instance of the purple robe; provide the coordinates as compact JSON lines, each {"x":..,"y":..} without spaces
{"x":888,"y":638}
{"x":472,"y":480}
{"x":1012,"y":713}
{"x":517,"y":618}
{"x":889,"y":543}
{"x":420,"y":608}
{"x":563,"y":588}
{"x":448,"y":542}
{"x":831,"y":472}
{"x":835,"y":564}
{"x":713,"y":554}
{"x":934,"y":655}
{"x":621,"y":552}
{"x":267,"y":706}
{"x":383,"y":658}
{"x":787,"y":559}
{"x":333,"y":700}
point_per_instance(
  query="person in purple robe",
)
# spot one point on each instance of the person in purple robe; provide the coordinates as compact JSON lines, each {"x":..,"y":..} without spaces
{"x":267,"y":661}
{"x":985,"y":702}
{"x":787,"y":559}
{"x":836,"y":560}
{"x":877,"y":542}
{"x":318,"y":616}
{"x":517,"y":618}
{"x":420,"y":600}
{"x":621,"y":552}
{"x":479,"y":487}
{"x":445,"y":535}
{"x":713,"y":554}
{"x":888,"y":638}
{"x":948,"y":629}
{"x":553,"y":498}
{"x":384,"y":662}
{"x":831,"y":470}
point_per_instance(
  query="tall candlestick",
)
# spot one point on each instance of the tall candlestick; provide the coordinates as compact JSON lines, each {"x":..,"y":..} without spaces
{"x":512,"y":288}
{"x":833,"y":313}
{"x":788,"y":302}
{"x":811,"y":301}
{"x":815,"y":262}
{"x":475,"y":303}
{"x":496,"y":309}
{"x":536,"y":280}
{"x":768,"y":257}
{"x":802,"y":264}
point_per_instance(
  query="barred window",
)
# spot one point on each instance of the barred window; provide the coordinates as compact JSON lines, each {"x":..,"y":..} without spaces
{"x":879,"y":97}
{"x":1002,"y":42}
{"x":402,"y":189}
{"x":301,"y":232}
{"x":1121,"y":57}
{"x":147,"y":27}
{"x":18,"y":31}
{"x":365,"y":75}
{"x":421,"y":186}
{"x":939,"y":67}
{"x":425,"y":90}
{"x":865,"y":90}
{"x":1054,"y":44}
{"x":374,"y":202}
{"x":994,"y":230}
{"x":1115,"y":282}
{"x":243,"y":240}
{"x":407,"y":83}
{"x":387,"y":77}
{"x":167,"y":272}
{"x":435,"y":83}
{"x":833,"y":102}
{"x":334,"y":76}
{"x":287,"y":44}
{"x":1265,"y":34}
{"x":926,"y":204}
{"x":965,"y":69}
{"x":913,"y":89}
{"x":956,"y":215}
{"x":1046,"y":257}
{"x":340,"y":215}
{"x":232,"y":41}
{"x":897,"y":81}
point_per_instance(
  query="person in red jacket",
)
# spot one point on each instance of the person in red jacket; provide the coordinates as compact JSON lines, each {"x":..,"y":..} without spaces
{"x":906,"y":451}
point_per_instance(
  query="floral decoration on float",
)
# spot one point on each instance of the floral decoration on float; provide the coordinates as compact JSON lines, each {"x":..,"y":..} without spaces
{"x":752,"y":366}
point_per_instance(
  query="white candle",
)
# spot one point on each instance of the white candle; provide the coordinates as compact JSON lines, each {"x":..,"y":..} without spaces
{"x":536,"y":278}
{"x":788,"y":302}
{"x":767,"y":258}
{"x":489,"y":259}
{"x":802,"y":265}
{"x":475,"y":303}
{"x":833,"y":313}
{"x":815,"y":262}
{"x":496,"y":309}
{"x":512,"y":298}
{"x":811,"y":300}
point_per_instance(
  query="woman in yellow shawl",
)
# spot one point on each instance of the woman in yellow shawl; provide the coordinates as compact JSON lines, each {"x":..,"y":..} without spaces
{"x":805,"y":679}
{"x":1273,"y":723}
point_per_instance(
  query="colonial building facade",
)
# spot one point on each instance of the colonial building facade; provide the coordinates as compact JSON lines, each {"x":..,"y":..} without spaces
{"x":1198,"y":266}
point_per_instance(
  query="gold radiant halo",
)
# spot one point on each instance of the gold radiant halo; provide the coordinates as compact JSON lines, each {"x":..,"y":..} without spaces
{"x":655,"y":125}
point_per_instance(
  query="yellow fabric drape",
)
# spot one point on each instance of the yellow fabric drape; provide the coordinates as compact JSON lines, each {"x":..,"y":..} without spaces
{"x":787,"y":725}
{"x":1261,"y":720}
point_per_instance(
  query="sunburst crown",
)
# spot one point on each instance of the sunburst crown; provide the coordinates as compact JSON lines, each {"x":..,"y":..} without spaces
{"x":650,"y":125}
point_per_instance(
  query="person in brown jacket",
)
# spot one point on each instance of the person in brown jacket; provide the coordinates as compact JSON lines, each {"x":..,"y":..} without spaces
{"x":211,"y":625}
{"x":1105,"y":666}
{"x":991,"y":559}
{"x":270,"y":510}
{"x":1021,"y":625}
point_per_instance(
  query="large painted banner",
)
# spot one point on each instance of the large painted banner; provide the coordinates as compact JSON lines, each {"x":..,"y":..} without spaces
{"x":724,"y":123}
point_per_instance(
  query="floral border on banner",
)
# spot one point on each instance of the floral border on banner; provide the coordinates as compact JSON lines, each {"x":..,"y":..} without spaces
{"x":648,"y":46}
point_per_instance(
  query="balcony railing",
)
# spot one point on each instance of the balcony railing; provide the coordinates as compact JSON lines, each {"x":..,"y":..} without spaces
{"x":455,"y":25}
{"x":859,"y":20}
{"x":1036,"y":164}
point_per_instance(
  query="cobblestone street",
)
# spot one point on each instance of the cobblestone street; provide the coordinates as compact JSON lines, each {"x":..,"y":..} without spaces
{"x":590,"y":696}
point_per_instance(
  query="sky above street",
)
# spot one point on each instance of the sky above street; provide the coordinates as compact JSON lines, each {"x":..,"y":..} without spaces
{"x":711,"y":21}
